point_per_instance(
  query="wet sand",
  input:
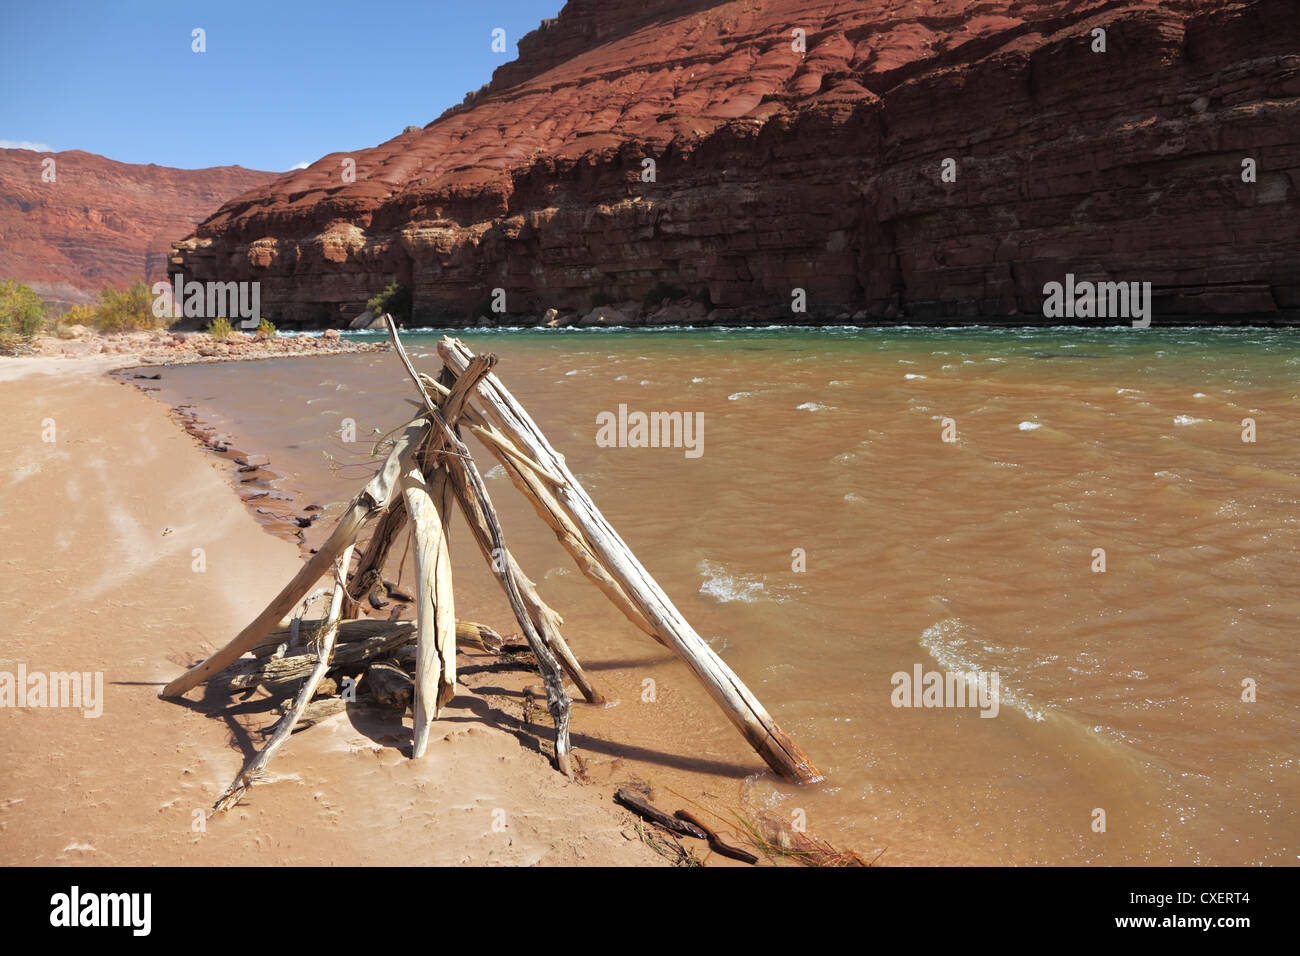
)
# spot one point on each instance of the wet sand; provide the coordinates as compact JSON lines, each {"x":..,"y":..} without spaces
{"x":100,"y":528}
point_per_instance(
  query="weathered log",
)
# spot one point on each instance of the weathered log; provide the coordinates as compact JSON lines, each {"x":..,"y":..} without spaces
{"x":524,"y":475}
{"x":276,"y":673}
{"x":716,"y":843}
{"x":429,"y":505}
{"x":371,"y":566}
{"x":455,"y":402}
{"x":376,"y":496}
{"x":571,"y":539}
{"x":349,"y":632}
{"x":324,"y":650}
{"x":320,"y":709}
{"x":780,"y":752}
{"x":541,"y":632}
{"x":472,"y":634}
{"x":357,"y":643}
{"x":389,"y":686}
{"x":543,"y":617}
{"x":502,"y":562}
{"x":435,"y":664}
{"x":645,"y":809}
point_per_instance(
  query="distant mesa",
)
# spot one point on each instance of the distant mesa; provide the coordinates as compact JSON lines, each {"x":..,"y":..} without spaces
{"x":101,"y":222}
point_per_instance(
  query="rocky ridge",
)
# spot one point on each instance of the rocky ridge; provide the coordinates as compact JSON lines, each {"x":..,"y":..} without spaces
{"x":777,"y":170}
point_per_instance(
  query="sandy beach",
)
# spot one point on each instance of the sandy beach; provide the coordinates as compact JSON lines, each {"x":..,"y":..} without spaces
{"x":102,"y":524}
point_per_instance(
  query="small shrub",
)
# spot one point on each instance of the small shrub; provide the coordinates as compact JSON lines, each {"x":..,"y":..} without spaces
{"x":266,"y":329}
{"x":126,"y":311}
{"x":77,"y":315}
{"x":396,"y":300}
{"x":220,"y":329}
{"x":22,"y":314}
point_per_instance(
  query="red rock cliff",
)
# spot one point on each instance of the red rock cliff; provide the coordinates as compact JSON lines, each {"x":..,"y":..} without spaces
{"x":820,"y":170}
{"x":101,"y":222}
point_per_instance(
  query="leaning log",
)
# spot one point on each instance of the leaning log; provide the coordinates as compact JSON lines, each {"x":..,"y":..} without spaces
{"x":780,"y":752}
{"x":371,"y":566}
{"x":435,"y":662}
{"x":324,"y":651}
{"x":504,"y":566}
{"x":444,"y":437}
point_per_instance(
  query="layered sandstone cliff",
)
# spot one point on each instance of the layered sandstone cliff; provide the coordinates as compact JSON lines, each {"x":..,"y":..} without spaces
{"x":820,"y":170}
{"x":70,"y":228}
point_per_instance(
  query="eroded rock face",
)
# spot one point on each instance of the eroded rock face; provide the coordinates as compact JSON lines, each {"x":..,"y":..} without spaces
{"x":819,"y":170}
{"x":101,"y":222}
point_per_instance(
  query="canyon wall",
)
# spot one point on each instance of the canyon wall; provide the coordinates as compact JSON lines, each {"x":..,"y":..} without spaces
{"x":69,"y":229}
{"x":820,"y":169}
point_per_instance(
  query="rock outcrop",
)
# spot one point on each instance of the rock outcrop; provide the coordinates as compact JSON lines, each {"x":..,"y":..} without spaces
{"x":100,"y":222}
{"x":821,"y":169}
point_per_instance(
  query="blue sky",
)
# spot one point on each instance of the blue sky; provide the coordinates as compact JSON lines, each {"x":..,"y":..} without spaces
{"x":283,"y":82}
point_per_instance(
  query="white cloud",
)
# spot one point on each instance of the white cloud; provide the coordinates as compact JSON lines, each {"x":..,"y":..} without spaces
{"x":24,"y":144}
{"x":300,"y":165}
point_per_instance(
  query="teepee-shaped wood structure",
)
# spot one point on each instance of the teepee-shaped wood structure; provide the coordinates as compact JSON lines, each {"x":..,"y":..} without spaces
{"x":427,"y":468}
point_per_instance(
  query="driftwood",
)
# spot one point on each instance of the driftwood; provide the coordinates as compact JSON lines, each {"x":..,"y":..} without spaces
{"x":427,"y":466}
{"x":357,"y":643}
{"x":468,"y":634}
{"x":460,"y":461}
{"x":780,"y":752}
{"x":716,"y":843}
{"x":546,"y":621}
{"x":390,"y":686}
{"x":320,"y":709}
{"x":373,"y":498}
{"x":429,"y":505}
{"x":435,"y":665}
{"x":370,"y":567}
{"x":645,"y":809}
{"x":253,"y":768}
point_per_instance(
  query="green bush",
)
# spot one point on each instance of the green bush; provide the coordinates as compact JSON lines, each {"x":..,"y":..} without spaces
{"x":77,"y":315}
{"x":126,"y":311}
{"x":660,"y":291}
{"x":22,"y":314}
{"x":396,"y":300}
{"x":265,"y":329}
{"x":220,"y":329}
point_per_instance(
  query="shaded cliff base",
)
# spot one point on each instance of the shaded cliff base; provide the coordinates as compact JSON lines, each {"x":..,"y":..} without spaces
{"x":1180,"y":310}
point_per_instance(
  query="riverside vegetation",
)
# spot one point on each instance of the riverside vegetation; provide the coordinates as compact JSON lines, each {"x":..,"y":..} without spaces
{"x":123,"y":323}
